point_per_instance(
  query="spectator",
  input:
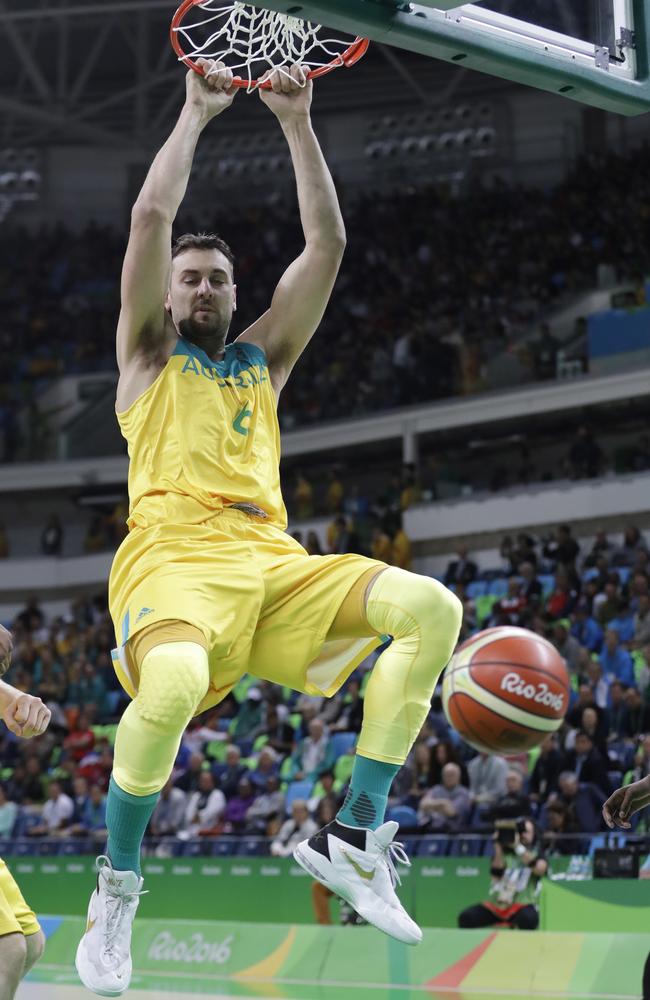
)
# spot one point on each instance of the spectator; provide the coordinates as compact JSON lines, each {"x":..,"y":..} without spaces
{"x":401,"y":554}
{"x":167,"y":817}
{"x":335,"y":493}
{"x":52,"y":537}
{"x":587,"y":763}
{"x":382,"y":547}
{"x":641,"y":623}
{"x":237,"y":807}
{"x":81,"y":739}
{"x":249,"y":716}
{"x":599,"y":685}
{"x":461,"y":570}
{"x":560,"y":824}
{"x":514,"y":802}
{"x":314,"y":754}
{"x":229,"y":774}
{"x":204,"y":810}
{"x":636,"y":715}
{"x":298,"y":827}
{"x":616,"y":661}
{"x":585,"y":628}
{"x":632,"y":541}
{"x":583,"y":803}
{"x":545,"y":351}
{"x":563,"y":598}
{"x":585,"y":456}
{"x":266,"y":808}
{"x":562,"y":549}
{"x":444,"y":752}
{"x":8,"y":813}
{"x":508,"y":610}
{"x":189,"y":780}
{"x":267,"y":765}
{"x":487,"y":779}
{"x":641,"y":761}
{"x":303,"y":497}
{"x":545,"y":774}
{"x":446,"y":807}
{"x":607,"y":603}
{"x":616,"y":711}
{"x":280,"y":735}
{"x":601,"y":547}
{"x":96,"y":539}
{"x":33,"y":784}
{"x":531,"y":587}
{"x":327,"y":787}
{"x":92,"y":821}
{"x":567,"y":645}
{"x":56,"y":815}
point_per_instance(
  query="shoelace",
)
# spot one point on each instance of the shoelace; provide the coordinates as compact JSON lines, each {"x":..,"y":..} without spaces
{"x":394,"y":854}
{"x":115,"y":905}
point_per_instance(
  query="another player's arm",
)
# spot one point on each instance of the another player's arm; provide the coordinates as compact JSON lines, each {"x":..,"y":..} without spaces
{"x":147,"y":264}
{"x":305,"y":288}
{"x":624,"y":802}
{"x":24,"y":714}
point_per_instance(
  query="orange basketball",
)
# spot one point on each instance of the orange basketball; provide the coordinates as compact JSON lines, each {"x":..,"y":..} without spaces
{"x":505,"y":689}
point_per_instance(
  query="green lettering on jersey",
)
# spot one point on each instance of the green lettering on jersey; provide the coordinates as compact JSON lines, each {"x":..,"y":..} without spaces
{"x":238,"y":422}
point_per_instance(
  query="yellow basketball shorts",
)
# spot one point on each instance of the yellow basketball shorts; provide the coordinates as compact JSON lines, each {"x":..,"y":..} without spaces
{"x":15,"y":915}
{"x":264,"y":605}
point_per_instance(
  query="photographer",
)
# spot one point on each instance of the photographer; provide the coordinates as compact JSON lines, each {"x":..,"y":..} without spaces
{"x":517,"y":868}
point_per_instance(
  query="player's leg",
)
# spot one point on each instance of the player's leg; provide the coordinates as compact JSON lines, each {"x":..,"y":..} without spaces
{"x":35,"y":946}
{"x":646,"y":980}
{"x":423,"y":618}
{"x":13,"y":952}
{"x":173,"y":680}
{"x":477,"y":916}
{"x":354,"y":855}
{"x":526,"y":919}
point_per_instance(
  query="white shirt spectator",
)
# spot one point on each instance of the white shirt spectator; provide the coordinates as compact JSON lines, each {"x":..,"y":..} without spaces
{"x":167,"y":817}
{"x":8,"y":813}
{"x":299,"y":827}
{"x":203,"y":812}
{"x":57,"y":811}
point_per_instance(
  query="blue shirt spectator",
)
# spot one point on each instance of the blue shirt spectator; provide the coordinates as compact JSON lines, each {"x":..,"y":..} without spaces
{"x":616,"y":661}
{"x":624,"y":626}
{"x":586,"y":629}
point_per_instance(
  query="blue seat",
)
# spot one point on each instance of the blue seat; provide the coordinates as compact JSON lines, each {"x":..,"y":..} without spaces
{"x":196,"y":848}
{"x":48,"y":848}
{"x":404,"y":815}
{"x":73,"y":846}
{"x":478,"y":588}
{"x":547,"y":581}
{"x":253,"y":847}
{"x":624,"y":573}
{"x":298,"y":790}
{"x":340,"y":743}
{"x":498,"y":588}
{"x":433,"y":847}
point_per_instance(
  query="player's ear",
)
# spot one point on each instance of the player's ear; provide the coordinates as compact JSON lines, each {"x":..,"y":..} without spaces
{"x":168,"y":302}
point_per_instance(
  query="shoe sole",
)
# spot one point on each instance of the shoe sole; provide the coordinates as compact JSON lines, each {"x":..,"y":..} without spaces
{"x":314,"y":863}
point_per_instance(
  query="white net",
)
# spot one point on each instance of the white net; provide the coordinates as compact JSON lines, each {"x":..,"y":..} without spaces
{"x":252,"y":41}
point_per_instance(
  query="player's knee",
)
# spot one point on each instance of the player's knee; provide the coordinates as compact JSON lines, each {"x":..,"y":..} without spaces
{"x":13,"y":951}
{"x":35,"y":946}
{"x":174,"y":679}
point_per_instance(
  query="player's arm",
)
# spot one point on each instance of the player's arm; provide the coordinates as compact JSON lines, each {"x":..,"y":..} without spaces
{"x":24,"y":714}
{"x":304,"y":290}
{"x":625,"y":802}
{"x":147,"y":264}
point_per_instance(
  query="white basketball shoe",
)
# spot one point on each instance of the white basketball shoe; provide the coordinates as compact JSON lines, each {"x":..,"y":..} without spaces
{"x":359,"y":866}
{"x":103,"y":958}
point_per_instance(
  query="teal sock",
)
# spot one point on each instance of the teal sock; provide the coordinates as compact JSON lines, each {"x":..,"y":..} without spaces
{"x":365,"y":803}
{"x":126,"y":819}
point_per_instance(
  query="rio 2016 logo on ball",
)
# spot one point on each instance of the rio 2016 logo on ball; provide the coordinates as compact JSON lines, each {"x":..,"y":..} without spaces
{"x":505,"y":690}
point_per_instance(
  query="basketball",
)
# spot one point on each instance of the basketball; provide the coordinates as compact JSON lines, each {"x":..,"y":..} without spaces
{"x":505,"y":690}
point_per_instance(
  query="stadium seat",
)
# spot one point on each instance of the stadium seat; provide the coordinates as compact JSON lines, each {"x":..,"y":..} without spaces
{"x":343,"y":768}
{"x":498,"y":588}
{"x":297,"y":790}
{"x":253,"y":847}
{"x":223,"y":847}
{"x":547,"y":581}
{"x":73,"y":846}
{"x":433,"y":847}
{"x":477,"y":589}
{"x":197,"y":848}
{"x":405,"y":816}
{"x":340,"y":743}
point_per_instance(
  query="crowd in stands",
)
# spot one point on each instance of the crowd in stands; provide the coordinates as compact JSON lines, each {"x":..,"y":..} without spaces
{"x":271,"y":763}
{"x":432,"y":287}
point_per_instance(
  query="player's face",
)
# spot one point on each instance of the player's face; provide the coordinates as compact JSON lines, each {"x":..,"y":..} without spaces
{"x":202,"y":297}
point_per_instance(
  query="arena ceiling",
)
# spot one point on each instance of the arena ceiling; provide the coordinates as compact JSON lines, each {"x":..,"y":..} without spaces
{"x":103,"y":73}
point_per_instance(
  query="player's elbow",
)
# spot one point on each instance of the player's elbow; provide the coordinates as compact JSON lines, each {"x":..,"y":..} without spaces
{"x":330,"y":244}
{"x":147,"y":210}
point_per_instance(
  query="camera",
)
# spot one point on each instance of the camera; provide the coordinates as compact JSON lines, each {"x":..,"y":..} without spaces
{"x":506,"y":831}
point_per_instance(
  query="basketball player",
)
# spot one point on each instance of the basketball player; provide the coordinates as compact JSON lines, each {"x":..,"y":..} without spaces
{"x":21,"y":939}
{"x":207,"y":584}
{"x":617,"y":811}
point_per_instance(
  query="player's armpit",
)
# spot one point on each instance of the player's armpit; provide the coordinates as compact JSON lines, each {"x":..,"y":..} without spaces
{"x":297,"y":309}
{"x":145,"y":281}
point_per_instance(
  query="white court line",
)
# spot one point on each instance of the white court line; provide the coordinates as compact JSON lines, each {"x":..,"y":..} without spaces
{"x":65,"y":972}
{"x":51,"y":991}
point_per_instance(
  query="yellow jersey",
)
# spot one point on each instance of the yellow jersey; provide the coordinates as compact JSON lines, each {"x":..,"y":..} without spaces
{"x":204,"y":436}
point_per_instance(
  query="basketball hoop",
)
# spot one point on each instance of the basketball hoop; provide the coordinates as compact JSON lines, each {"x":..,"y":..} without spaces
{"x":252,"y":41}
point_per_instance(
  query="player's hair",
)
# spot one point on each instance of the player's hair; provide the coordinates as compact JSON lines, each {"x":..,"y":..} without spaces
{"x":202,"y":241}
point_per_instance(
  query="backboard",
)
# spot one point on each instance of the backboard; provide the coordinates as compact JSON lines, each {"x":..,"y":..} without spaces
{"x":592,"y":51}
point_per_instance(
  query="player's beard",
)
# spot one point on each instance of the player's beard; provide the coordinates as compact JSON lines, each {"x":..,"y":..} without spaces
{"x":210,"y":336}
